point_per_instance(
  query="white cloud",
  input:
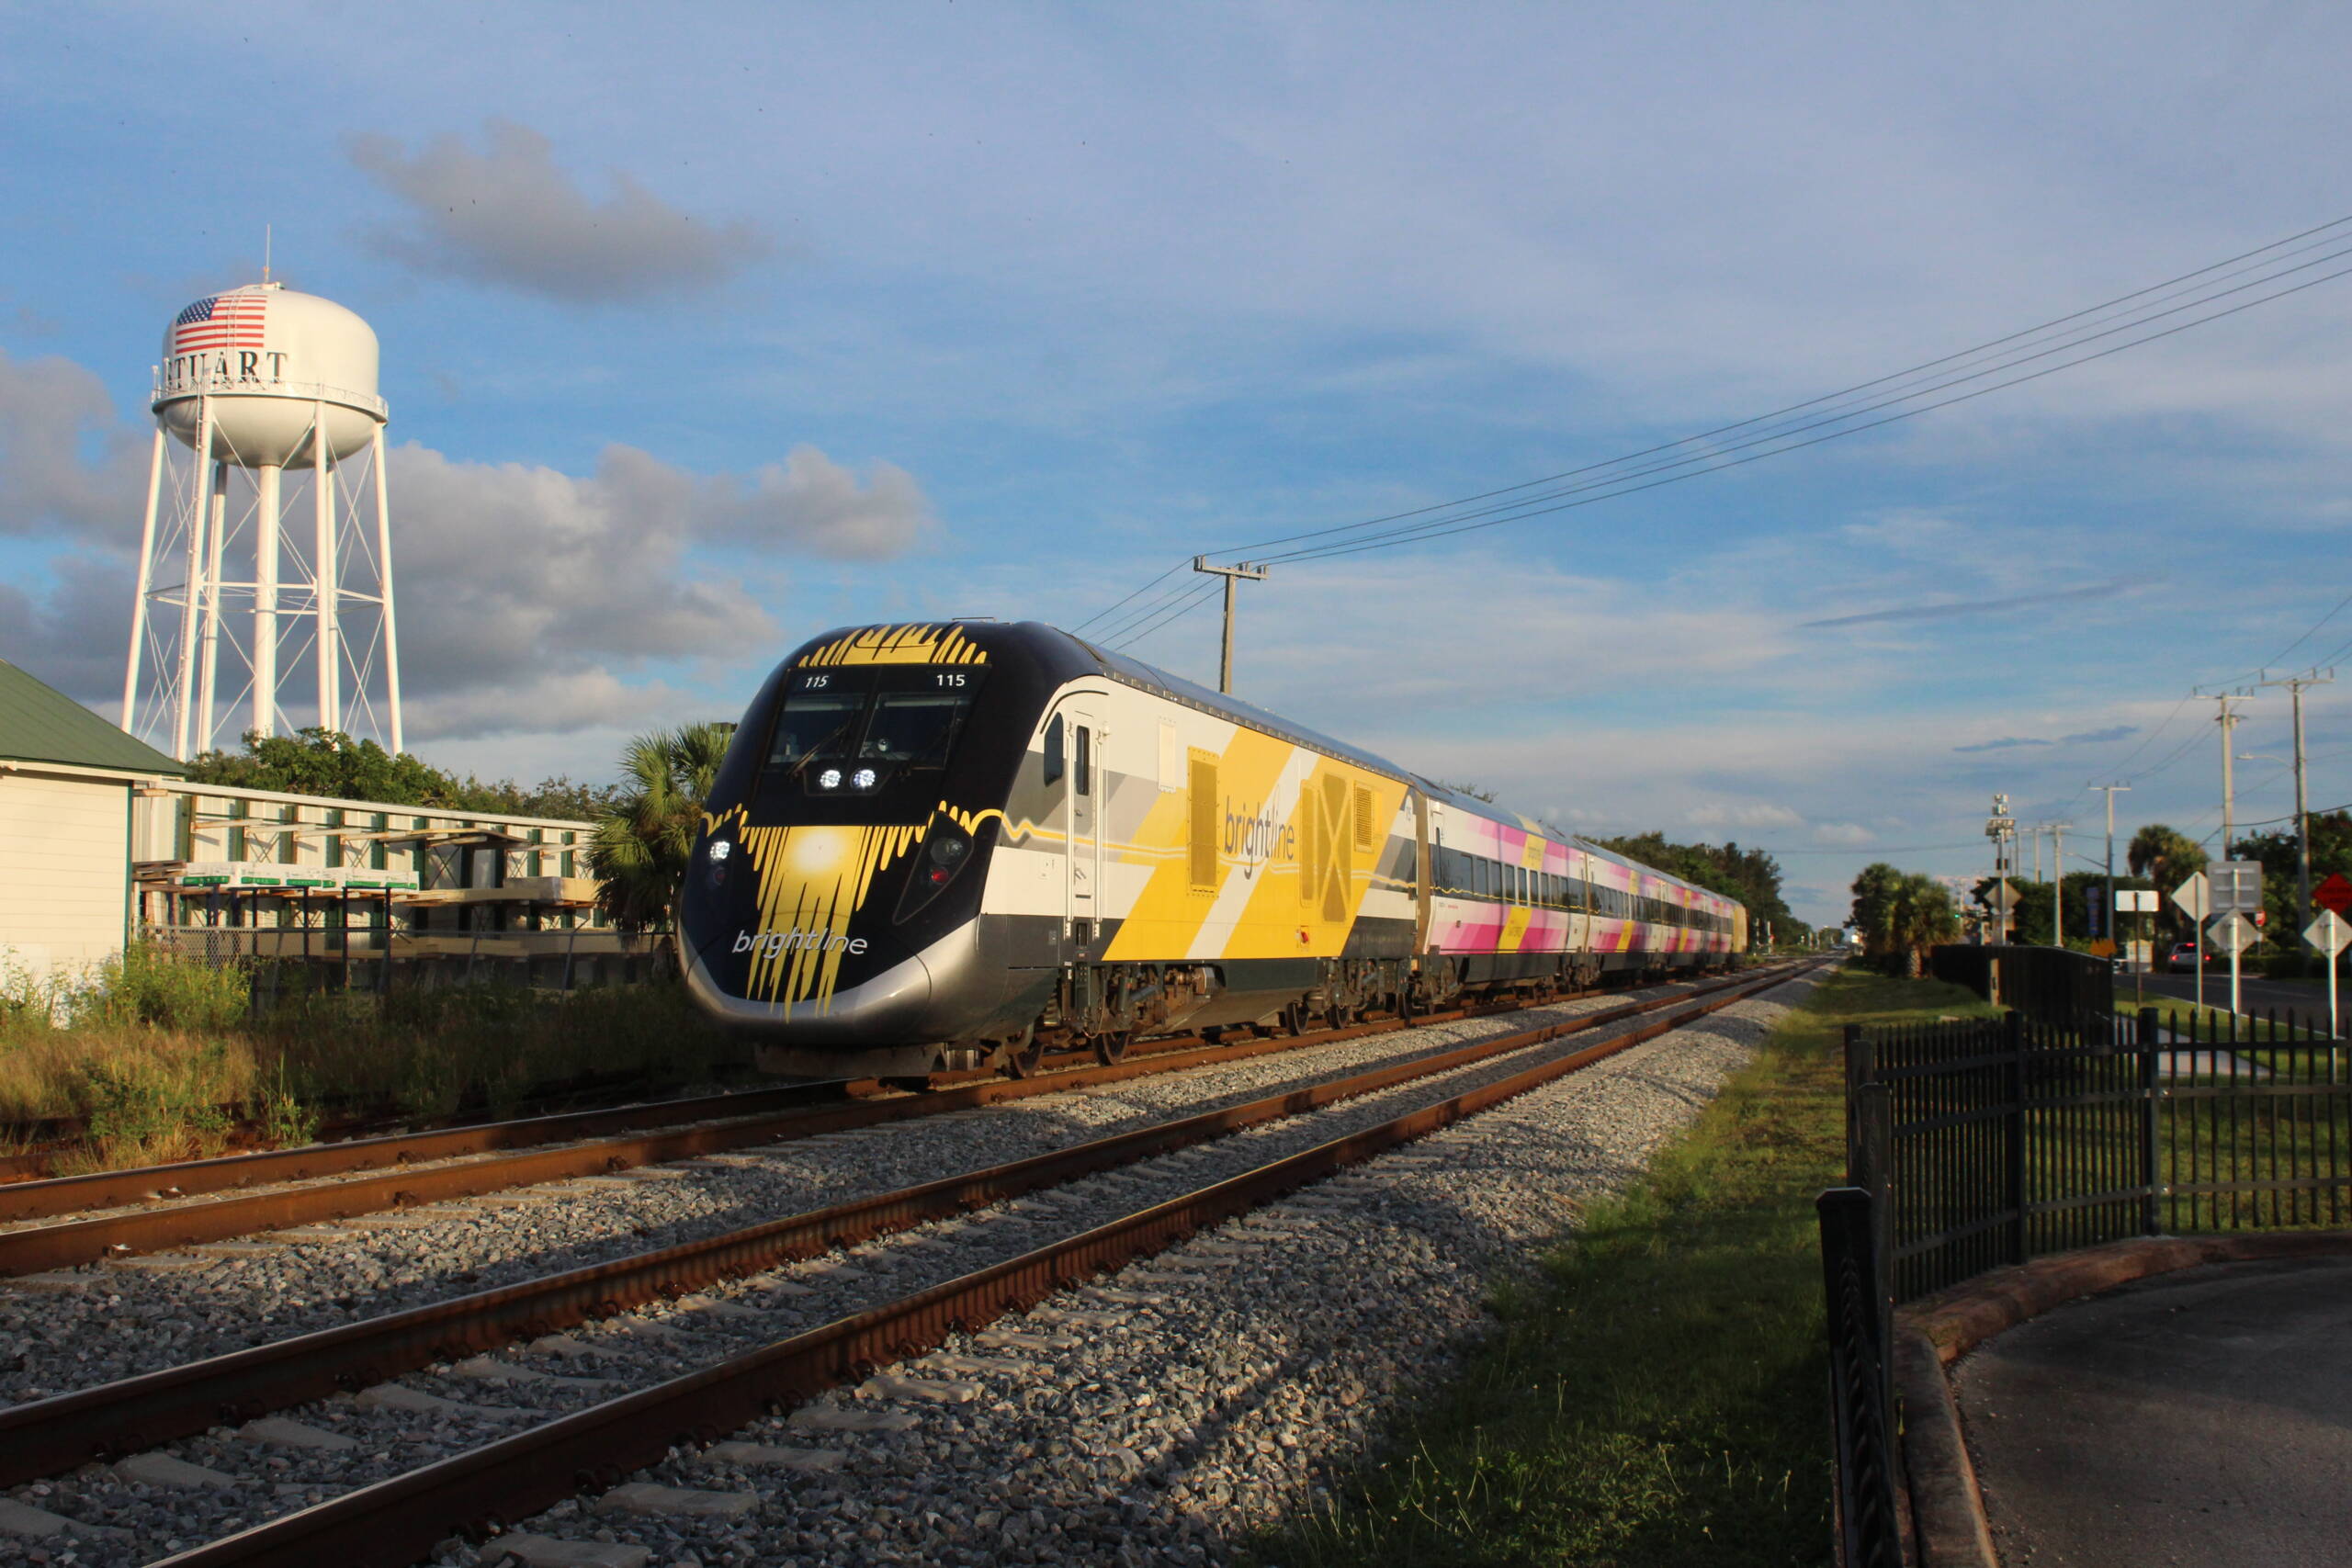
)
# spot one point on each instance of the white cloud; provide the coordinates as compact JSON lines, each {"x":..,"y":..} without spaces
{"x":1847,"y":833}
{"x":50,"y":409}
{"x":530,"y":599}
{"x":1744,"y":814}
{"x":510,"y":217}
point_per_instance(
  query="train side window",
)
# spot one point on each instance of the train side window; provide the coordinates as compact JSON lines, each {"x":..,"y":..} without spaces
{"x":1054,"y":751}
{"x":1082,"y":760}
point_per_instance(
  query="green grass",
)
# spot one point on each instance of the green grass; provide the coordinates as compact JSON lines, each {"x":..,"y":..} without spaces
{"x":1655,"y":1393}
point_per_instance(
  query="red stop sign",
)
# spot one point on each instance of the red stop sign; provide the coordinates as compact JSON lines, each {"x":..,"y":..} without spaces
{"x":2334,"y":893}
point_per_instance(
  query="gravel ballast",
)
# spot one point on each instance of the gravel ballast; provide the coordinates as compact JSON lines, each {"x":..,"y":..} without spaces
{"x":143,"y":1315}
{"x":1149,"y":1417}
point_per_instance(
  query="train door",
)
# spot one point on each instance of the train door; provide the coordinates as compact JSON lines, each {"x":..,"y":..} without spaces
{"x":1421,"y":871}
{"x":1084,"y":800}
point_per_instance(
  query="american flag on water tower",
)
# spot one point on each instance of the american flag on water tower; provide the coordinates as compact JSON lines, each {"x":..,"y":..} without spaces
{"x":225,"y":320}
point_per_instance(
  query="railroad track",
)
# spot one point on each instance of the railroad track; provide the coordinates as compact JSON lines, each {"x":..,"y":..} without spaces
{"x":399,"y":1519}
{"x":160,"y":1208}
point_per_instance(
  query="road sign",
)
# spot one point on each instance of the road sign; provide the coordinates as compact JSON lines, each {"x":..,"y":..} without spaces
{"x":2334,"y":893}
{"x":2329,"y":932}
{"x":2232,"y":933}
{"x":2236,"y":885}
{"x":2135,"y":900}
{"x":2194,"y":896}
{"x":2103,"y":948}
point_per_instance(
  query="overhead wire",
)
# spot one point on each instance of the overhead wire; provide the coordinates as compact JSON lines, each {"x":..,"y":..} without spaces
{"x":1184,"y":607}
{"x":1613,"y":487}
{"x":1962,"y":355}
{"x":1149,"y":607}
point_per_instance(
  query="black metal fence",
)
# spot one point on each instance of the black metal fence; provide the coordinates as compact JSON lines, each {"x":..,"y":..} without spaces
{"x":1994,"y":1141}
{"x":1979,"y":1142}
{"x":2051,"y":985}
{"x":1862,"y":1397}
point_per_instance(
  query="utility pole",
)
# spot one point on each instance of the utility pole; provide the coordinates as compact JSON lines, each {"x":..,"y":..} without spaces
{"x":1241,"y":571}
{"x":2058,"y":883}
{"x":2107,"y":916}
{"x":2228,"y":721}
{"x":2295,"y":684}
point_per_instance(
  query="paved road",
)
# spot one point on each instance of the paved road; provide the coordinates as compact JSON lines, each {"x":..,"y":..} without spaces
{"x":2202,"y":1418}
{"x":2302,"y":995}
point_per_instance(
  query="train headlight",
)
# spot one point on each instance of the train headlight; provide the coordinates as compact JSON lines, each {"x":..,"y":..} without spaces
{"x":829,"y":779}
{"x":863,"y":779}
{"x":721,"y":849}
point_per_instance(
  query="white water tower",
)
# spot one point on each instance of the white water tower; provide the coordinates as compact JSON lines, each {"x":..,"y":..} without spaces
{"x":259,"y":385}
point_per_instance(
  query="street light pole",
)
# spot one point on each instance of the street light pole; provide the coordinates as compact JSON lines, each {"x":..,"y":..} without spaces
{"x":1241,"y":571}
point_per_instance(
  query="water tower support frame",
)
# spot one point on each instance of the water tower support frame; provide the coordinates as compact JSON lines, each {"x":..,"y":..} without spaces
{"x":146,"y":574}
{"x":384,"y":567}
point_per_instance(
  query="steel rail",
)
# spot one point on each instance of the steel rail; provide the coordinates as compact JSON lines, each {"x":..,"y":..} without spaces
{"x":32,"y":1248}
{"x":54,"y":1195}
{"x":49,"y":1436}
{"x":398,"y":1520}
{"x":38,"y":1196}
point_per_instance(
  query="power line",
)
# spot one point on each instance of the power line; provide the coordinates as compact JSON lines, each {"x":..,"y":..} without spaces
{"x":1608,"y":488}
{"x":1830,"y":397}
{"x":1198,"y":596}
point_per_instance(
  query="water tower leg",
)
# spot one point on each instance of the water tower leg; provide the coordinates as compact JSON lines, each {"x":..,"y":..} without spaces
{"x":215,"y":543}
{"x":329,"y":576}
{"x":192,"y":583}
{"x":392,"y":627}
{"x":146,"y":581}
{"x":268,"y":487}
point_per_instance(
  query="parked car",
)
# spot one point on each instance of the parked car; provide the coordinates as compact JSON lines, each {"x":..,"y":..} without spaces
{"x":2183,"y":958}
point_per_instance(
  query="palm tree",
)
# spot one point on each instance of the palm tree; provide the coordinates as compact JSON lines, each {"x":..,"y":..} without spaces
{"x":2167,"y":858}
{"x":639,"y":852}
{"x":1923,"y":917}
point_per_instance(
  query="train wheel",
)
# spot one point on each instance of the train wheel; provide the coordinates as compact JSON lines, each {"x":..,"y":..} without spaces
{"x":1111,"y":1049}
{"x":1024,"y":1057}
{"x":1295,"y":1020}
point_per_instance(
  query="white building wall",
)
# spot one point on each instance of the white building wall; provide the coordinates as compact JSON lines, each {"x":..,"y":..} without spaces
{"x":65,"y":870}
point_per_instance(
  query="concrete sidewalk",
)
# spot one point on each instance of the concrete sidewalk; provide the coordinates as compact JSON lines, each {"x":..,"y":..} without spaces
{"x":2201,"y":1417}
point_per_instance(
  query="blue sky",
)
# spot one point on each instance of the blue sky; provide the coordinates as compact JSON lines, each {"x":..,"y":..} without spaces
{"x":703,"y":336}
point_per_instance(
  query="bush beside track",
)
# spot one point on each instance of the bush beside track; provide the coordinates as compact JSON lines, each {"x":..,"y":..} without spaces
{"x":155,"y":1058}
{"x":1653,"y":1393}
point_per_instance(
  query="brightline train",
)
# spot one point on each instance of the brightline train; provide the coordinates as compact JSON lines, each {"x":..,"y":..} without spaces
{"x":948,"y":845}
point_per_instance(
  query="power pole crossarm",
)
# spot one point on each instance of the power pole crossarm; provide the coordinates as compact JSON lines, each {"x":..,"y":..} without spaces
{"x":1244,"y":571}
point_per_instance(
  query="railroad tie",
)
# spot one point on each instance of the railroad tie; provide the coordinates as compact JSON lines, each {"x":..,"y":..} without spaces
{"x":938,"y":1390}
{"x":765,"y":1456}
{"x":645,"y":1497}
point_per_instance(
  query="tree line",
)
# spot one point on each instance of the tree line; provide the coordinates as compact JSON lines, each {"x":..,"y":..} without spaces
{"x":1752,"y":876}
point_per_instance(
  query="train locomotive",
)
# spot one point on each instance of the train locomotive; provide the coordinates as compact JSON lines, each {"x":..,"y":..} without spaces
{"x":959,"y":844}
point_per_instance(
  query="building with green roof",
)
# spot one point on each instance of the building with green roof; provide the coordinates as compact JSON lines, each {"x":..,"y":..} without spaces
{"x":70,"y":782}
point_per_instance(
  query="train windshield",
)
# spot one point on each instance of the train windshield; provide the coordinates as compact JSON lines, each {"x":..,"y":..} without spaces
{"x":816,"y":724}
{"x":913,"y":728}
{"x":856,"y":731}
